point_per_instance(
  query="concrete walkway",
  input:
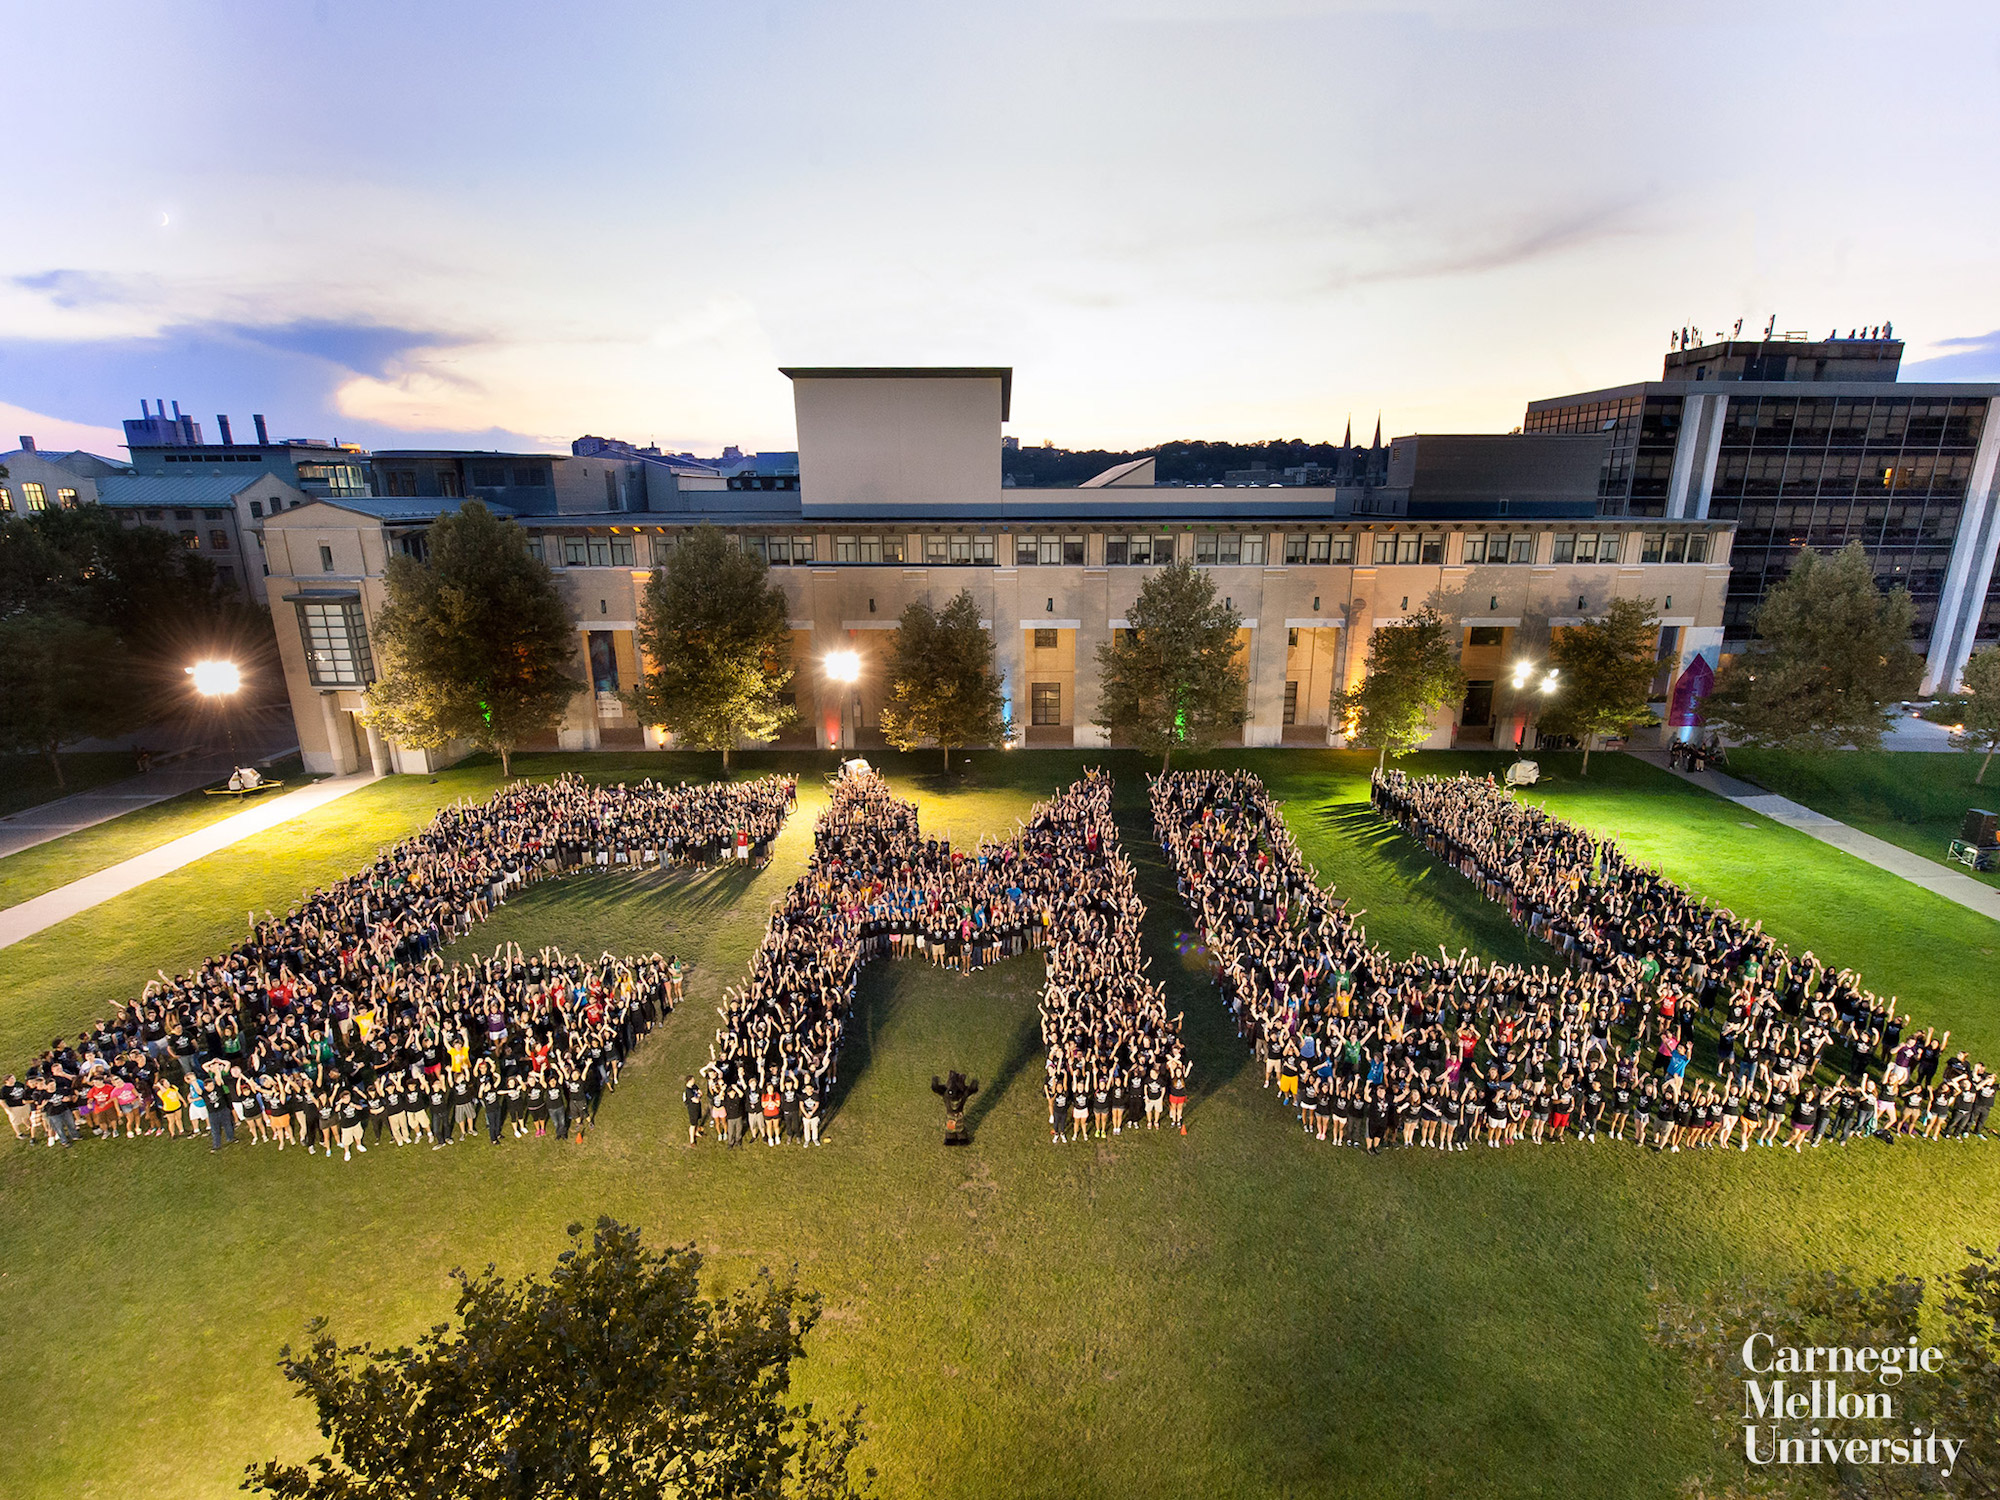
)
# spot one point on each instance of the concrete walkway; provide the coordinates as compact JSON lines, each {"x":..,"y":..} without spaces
{"x":51,"y":907}
{"x":81,"y":810}
{"x":1938,"y":879}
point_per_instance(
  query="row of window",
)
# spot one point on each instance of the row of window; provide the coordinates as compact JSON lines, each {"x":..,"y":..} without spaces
{"x":1821,"y":422}
{"x":1220,"y":549}
{"x":1841,"y":473}
{"x":35,"y":498}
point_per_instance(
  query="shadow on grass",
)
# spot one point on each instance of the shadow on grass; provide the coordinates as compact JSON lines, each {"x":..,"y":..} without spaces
{"x":1025,"y":1044}
{"x":1179,"y":960}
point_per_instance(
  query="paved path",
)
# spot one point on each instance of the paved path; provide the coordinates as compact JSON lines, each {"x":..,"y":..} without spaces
{"x":72,"y":814}
{"x":51,"y":907}
{"x":1933,"y":877}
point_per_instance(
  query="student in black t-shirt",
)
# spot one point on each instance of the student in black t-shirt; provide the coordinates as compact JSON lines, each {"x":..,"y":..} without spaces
{"x":691,"y":1098}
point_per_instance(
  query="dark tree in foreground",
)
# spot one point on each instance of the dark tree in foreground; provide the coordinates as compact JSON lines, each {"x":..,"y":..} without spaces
{"x":1834,"y":1309}
{"x":1831,"y":658}
{"x":1174,"y":680}
{"x":942,"y":684}
{"x":474,"y":644}
{"x":718,"y":641}
{"x":612,"y":1378}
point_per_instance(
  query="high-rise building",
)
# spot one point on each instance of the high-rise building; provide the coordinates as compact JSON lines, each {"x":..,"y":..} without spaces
{"x":1813,"y":444}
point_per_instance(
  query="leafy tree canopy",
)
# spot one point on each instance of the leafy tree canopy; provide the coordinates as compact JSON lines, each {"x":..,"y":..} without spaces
{"x":1412,"y":672}
{"x":1605,"y":674}
{"x":613,"y":1377}
{"x":1174,"y":679}
{"x":943,"y":688}
{"x":62,"y":680}
{"x":85,"y":562}
{"x":474,"y":644}
{"x":1978,"y":705}
{"x":1831,"y":659}
{"x":717,"y":637}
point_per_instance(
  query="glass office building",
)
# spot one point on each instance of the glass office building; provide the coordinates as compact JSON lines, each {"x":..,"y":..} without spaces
{"x":1832,"y":455}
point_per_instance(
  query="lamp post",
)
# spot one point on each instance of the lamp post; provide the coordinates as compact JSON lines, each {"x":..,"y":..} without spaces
{"x":218,"y":681}
{"x":1525,"y":681}
{"x":843,"y":668}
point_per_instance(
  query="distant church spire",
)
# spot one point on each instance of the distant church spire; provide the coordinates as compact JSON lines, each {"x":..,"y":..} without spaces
{"x":1343,"y":471}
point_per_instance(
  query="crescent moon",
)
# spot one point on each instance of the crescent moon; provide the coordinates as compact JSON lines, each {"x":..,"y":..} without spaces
{"x":163,"y":221}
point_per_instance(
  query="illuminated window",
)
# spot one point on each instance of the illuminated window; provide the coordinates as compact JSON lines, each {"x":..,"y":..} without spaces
{"x":336,"y":642}
{"x":32,"y":495}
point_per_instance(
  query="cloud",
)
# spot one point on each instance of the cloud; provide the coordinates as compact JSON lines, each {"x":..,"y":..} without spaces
{"x":363,"y":348}
{"x":1974,"y":358}
{"x":58,"y":435}
{"x":72,"y":290}
{"x":292,"y":371}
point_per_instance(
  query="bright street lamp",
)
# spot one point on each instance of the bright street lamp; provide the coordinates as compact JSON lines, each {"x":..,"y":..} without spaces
{"x":218,"y":681}
{"x":215,"y":679}
{"x":844,"y":668}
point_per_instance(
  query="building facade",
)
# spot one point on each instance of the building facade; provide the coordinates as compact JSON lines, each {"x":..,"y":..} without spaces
{"x":38,"y":481}
{"x":1814,"y":444}
{"x":898,"y":498}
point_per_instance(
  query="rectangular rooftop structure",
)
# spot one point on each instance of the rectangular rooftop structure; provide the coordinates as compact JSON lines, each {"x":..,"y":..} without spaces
{"x":900,"y":435}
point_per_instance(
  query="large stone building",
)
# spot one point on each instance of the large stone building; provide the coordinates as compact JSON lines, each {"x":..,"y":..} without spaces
{"x":898,"y":496}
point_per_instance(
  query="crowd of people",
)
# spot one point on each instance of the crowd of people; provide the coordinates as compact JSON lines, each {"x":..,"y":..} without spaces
{"x":877,"y":888}
{"x":1663,"y":1020}
{"x":341,"y":1024}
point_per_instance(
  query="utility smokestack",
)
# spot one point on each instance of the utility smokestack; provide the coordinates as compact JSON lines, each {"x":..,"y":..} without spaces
{"x":177,"y":411}
{"x":27,"y":444}
{"x":222,"y":426}
{"x":263,"y":437}
{"x":187,"y":427}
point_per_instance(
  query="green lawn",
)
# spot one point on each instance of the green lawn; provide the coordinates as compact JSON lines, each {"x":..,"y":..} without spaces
{"x":42,"y":868}
{"x":28,"y":781}
{"x":1914,"y":800}
{"x":1238,"y":1312}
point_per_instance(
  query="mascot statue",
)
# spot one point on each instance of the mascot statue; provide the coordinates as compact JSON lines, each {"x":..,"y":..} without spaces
{"x":955,"y":1091}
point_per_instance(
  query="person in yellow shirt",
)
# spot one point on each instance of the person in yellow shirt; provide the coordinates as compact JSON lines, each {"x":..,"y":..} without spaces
{"x":172,"y":1113}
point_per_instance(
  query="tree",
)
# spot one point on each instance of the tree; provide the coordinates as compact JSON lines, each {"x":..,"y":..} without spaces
{"x":716,"y":631}
{"x":62,"y":680}
{"x":1831,"y":658}
{"x":475,"y":643}
{"x":1979,"y":708}
{"x":1605,"y":679}
{"x":942,"y":685}
{"x":143,"y":584}
{"x":612,"y":1378}
{"x":1173,"y":680}
{"x":1412,"y":672}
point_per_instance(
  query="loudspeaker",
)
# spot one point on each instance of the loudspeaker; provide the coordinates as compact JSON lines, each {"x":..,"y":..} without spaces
{"x":1981,"y":826}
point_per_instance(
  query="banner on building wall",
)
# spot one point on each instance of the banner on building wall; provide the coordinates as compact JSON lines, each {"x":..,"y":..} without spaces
{"x":1696,"y":681}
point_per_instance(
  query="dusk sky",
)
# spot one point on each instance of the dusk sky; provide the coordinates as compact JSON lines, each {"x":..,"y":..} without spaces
{"x":507,"y":224}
